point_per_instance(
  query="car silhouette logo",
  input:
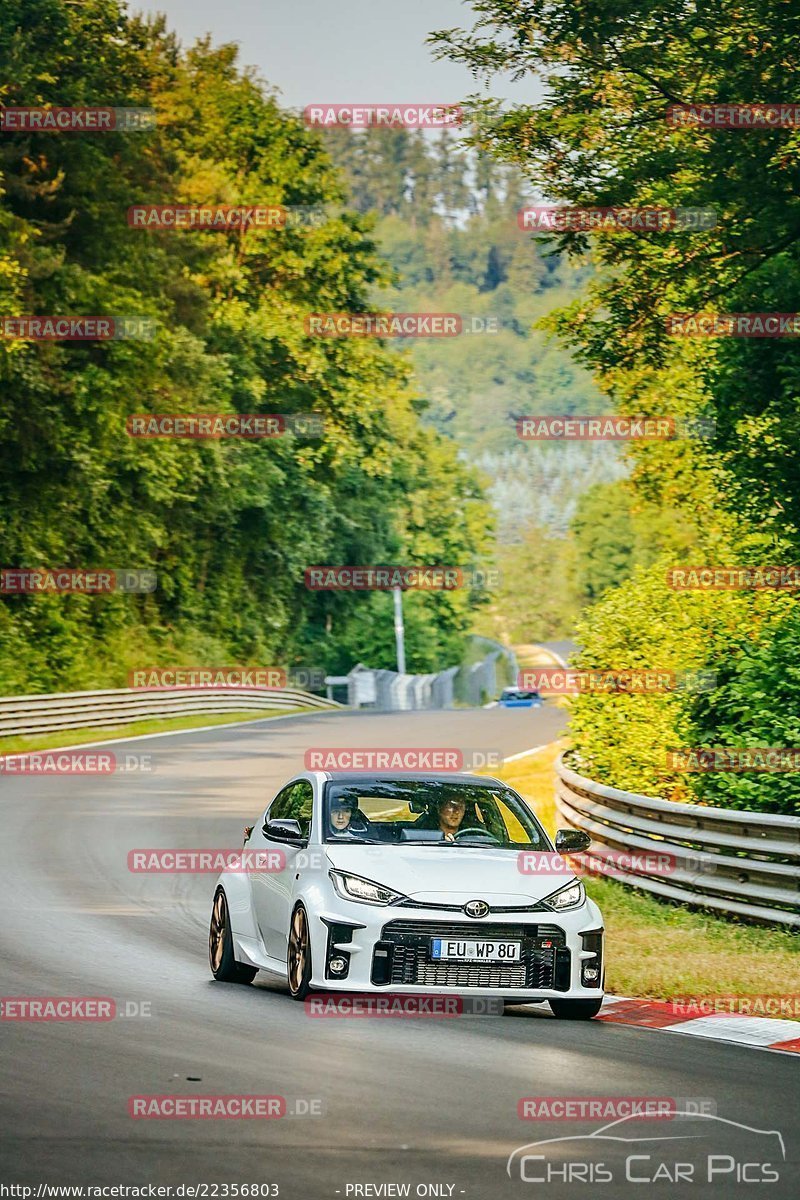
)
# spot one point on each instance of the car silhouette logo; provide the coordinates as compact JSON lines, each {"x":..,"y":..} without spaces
{"x":476,"y":908}
{"x":614,"y":1133}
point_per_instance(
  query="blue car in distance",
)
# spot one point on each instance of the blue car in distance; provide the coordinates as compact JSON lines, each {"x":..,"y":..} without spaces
{"x":512,"y":697}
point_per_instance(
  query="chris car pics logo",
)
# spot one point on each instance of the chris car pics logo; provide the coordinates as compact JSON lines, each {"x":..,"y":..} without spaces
{"x":699,"y":1148}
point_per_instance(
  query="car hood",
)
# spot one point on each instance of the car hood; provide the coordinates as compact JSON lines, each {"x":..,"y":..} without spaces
{"x":436,"y":874}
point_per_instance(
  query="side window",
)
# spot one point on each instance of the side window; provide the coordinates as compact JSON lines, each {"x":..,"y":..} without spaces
{"x":294,"y":803}
{"x":277,"y":808}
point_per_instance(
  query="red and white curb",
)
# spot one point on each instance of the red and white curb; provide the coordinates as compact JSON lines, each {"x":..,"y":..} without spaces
{"x":765,"y":1033}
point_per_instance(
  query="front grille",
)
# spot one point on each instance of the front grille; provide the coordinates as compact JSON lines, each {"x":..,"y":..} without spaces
{"x":459,"y":908}
{"x":480,"y":929}
{"x":408,"y":944}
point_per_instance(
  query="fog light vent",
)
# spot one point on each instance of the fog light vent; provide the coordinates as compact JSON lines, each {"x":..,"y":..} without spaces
{"x":592,"y":968}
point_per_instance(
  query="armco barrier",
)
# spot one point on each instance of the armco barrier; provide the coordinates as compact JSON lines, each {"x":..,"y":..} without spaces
{"x":470,"y":684}
{"x":24,"y":715}
{"x":738,"y":862}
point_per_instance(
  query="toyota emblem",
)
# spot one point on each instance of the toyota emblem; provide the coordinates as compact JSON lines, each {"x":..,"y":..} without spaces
{"x":476,"y":908}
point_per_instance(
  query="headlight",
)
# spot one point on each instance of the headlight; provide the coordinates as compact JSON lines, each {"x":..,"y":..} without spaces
{"x":567,"y":897}
{"x":353,"y":887}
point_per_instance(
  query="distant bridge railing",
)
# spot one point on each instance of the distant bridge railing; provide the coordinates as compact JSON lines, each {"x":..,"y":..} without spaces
{"x":736,"y":861}
{"x":24,"y":715}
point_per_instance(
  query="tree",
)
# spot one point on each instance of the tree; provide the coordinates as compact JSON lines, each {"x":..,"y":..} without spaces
{"x":615,"y":531}
{"x":228,"y":526}
{"x":600,"y":136}
{"x":535,"y":600}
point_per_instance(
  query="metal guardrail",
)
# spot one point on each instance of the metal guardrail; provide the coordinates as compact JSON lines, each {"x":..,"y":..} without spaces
{"x":387,"y":691}
{"x":735,"y":861}
{"x":24,"y":715}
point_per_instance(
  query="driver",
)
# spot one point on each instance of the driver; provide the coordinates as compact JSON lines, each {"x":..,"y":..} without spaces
{"x":451,"y":814}
{"x":446,"y":815}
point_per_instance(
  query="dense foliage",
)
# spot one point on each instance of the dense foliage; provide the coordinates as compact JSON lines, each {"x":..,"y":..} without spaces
{"x":742,"y":651}
{"x":600,"y":137}
{"x":228,"y":525}
{"x":447,"y":222}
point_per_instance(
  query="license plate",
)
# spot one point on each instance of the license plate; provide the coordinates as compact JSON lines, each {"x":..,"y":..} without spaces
{"x":469,"y":951}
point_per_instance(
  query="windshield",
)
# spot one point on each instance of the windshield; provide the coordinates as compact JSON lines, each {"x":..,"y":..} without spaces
{"x":429,"y":812}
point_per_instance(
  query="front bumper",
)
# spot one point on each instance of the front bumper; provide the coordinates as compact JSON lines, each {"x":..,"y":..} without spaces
{"x":388,"y":950}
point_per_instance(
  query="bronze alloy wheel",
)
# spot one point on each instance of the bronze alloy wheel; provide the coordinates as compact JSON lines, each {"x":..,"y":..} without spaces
{"x":216,"y":933}
{"x":299,"y":956}
{"x":224,"y":966}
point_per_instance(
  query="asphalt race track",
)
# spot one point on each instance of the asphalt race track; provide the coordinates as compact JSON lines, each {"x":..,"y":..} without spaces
{"x":414,"y":1101}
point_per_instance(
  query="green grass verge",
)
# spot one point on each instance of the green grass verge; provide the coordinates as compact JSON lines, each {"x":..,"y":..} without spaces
{"x":667,"y":950}
{"x":76,"y":737}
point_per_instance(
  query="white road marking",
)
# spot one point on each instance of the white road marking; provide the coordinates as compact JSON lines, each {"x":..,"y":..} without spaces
{"x":526,"y":753}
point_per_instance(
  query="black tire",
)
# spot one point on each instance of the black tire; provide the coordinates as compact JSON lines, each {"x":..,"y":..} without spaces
{"x":224,"y":966}
{"x":575,"y":1010}
{"x":298,"y":955}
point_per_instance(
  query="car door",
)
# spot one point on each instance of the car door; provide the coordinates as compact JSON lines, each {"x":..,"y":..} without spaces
{"x":273,"y":890}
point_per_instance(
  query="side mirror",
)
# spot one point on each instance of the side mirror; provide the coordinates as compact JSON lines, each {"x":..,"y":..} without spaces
{"x":284,"y":831}
{"x":570,"y":841}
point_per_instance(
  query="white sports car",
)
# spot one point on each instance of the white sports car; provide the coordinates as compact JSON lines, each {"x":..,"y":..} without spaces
{"x":409,"y":884}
